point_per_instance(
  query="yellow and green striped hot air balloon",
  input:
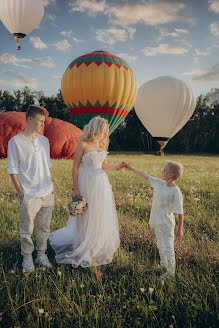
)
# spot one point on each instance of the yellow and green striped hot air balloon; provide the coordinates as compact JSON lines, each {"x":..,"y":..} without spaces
{"x":102,"y":84}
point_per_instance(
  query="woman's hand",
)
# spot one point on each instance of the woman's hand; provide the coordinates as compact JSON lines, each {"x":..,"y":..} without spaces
{"x":75,"y":193}
{"x":120,"y":166}
{"x":128,"y":166}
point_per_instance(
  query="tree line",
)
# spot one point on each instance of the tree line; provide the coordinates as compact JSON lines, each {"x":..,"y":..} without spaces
{"x":199,"y":135}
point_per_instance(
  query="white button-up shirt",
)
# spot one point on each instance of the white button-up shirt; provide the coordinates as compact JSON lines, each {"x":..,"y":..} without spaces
{"x":166,"y":201}
{"x":30,"y":159}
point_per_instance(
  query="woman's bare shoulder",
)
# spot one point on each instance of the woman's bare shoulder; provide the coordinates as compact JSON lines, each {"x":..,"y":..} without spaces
{"x":80,"y":148}
{"x":81,"y":145}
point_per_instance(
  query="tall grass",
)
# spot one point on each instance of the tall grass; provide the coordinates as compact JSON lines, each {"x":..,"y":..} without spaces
{"x":125,"y":293}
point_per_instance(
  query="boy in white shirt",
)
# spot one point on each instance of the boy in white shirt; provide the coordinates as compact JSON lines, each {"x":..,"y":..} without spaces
{"x":167,"y":199}
{"x":29,"y":168}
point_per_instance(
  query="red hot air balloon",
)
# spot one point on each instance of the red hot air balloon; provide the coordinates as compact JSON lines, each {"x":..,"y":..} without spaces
{"x":63,"y":136}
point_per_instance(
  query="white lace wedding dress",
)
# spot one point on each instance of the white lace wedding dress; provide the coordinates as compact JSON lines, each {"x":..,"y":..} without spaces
{"x":92,"y":237}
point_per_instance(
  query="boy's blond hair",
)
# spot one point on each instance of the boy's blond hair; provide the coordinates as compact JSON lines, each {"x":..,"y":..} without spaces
{"x":94,"y":131}
{"x":175,"y":168}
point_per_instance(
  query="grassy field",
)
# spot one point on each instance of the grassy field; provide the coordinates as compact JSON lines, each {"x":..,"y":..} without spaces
{"x":126,"y":293}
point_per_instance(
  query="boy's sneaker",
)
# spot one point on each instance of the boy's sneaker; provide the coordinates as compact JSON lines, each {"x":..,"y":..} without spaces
{"x":28,"y":265}
{"x":44,"y":261}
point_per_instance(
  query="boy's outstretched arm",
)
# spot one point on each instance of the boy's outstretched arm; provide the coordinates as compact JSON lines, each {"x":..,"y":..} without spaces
{"x":141,"y":174}
{"x":179,"y":234}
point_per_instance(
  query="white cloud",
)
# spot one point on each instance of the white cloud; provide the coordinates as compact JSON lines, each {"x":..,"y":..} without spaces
{"x":63,"y":45}
{"x":205,"y":75}
{"x":127,"y":57}
{"x":113,"y":35}
{"x":93,"y":7}
{"x":78,"y":41}
{"x":201,"y":53}
{"x":44,"y":61}
{"x":150,"y":13}
{"x":66,"y":33}
{"x":181,"y":31}
{"x":214,"y":6}
{"x":214,"y":28}
{"x":195,"y":60}
{"x":7,"y":72}
{"x":38,"y":43}
{"x":51,"y":17}
{"x":21,"y":81}
{"x":177,"y":33}
{"x":164,"y":48}
{"x":196,"y":72}
{"x":49,"y":2}
{"x":56,"y":77}
{"x":131,"y":31}
{"x":13,"y":60}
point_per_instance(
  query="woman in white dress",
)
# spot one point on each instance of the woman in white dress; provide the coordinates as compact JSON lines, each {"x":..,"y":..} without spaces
{"x":90,"y":238}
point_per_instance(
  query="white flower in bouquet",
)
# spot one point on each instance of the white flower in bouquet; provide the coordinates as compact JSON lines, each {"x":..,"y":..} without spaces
{"x":79,"y":206}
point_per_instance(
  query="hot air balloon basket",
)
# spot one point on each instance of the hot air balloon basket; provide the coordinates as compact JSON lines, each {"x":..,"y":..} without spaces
{"x":77,"y":206}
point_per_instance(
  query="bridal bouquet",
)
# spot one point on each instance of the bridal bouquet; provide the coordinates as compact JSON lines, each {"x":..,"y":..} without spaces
{"x":77,"y":205}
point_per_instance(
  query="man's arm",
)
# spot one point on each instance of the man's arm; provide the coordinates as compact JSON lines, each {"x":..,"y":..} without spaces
{"x":13,"y":167}
{"x":17,"y":185}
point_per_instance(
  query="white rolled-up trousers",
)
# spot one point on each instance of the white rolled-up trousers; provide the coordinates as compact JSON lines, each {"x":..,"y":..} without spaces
{"x":165,"y":244}
{"x":37,"y":209}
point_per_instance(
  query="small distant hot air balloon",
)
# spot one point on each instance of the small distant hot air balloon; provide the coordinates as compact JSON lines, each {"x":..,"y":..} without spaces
{"x":20,"y":17}
{"x":164,"y":105}
{"x":99,"y":83}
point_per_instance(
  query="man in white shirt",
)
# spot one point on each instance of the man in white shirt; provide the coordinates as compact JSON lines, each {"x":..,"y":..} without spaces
{"x":29,"y":167}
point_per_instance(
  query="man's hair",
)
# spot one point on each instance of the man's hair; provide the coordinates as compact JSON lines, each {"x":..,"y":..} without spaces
{"x":175,"y":168}
{"x":36,"y":109}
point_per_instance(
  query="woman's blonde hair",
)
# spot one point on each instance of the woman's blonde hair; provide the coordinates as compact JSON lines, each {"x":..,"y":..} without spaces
{"x":95,"y":130}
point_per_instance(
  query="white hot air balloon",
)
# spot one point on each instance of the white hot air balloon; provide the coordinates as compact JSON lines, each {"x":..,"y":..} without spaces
{"x":20,"y":17}
{"x":164,"y":105}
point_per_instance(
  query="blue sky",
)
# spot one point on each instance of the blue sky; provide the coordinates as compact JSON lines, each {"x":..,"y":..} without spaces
{"x":177,"y":38}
